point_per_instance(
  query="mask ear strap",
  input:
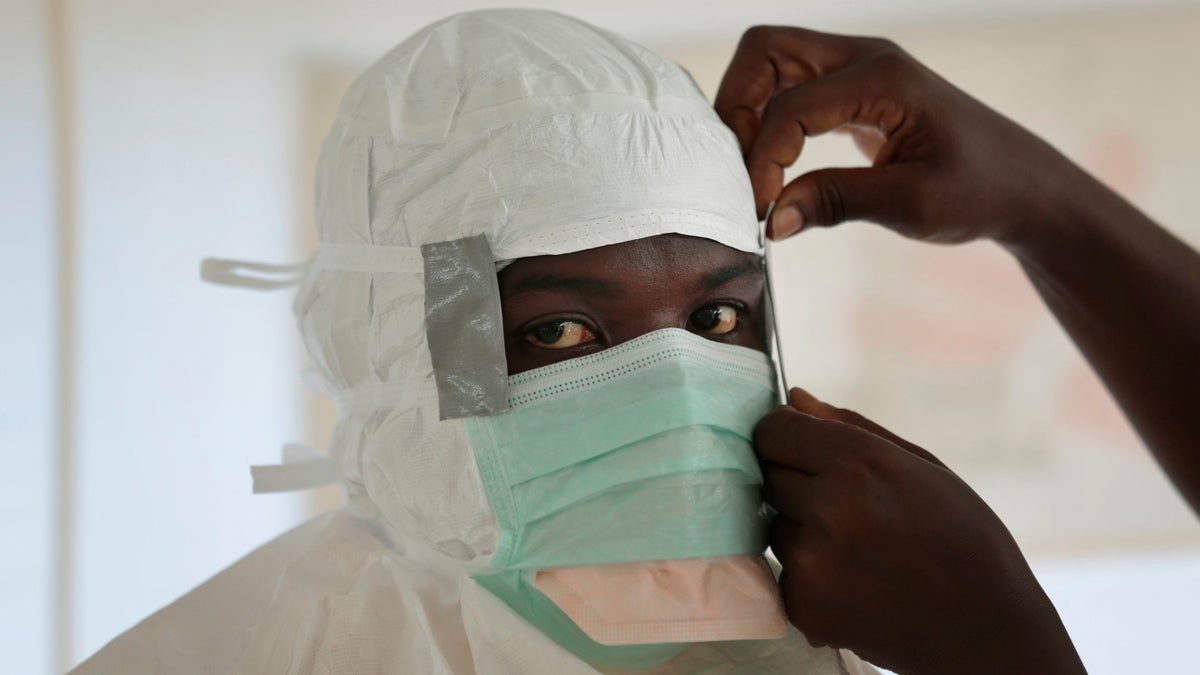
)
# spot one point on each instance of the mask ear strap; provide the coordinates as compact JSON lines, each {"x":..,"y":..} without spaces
{"x":772,"y":320}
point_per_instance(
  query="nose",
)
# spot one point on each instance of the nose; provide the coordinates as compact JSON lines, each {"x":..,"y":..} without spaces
{"x":650,"y":313}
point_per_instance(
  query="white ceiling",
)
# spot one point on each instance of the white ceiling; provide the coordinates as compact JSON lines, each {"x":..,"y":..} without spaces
{"x":360,"y":30}
{"x":665,"y":20}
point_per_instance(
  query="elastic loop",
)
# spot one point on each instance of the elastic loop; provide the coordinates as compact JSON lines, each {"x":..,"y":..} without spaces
{"x":771,"y":320}
{"x":245,"y":274}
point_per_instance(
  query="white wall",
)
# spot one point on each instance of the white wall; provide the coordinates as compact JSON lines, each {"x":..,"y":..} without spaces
{"x":184,"y":147}
{"x":27,"y":372}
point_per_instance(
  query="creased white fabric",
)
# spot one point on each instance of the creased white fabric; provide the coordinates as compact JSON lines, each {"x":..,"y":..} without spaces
{"x":331,"y":596}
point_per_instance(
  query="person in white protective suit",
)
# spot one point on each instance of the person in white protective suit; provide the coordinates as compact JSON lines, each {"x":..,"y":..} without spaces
{"x":548,"y":467}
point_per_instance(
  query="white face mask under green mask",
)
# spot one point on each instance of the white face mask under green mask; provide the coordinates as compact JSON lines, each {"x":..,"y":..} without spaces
{"x":627,"y":492}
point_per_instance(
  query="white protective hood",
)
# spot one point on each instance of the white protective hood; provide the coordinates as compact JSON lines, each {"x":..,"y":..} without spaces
{"x":546,"y":136}
{"x":540,"y":132}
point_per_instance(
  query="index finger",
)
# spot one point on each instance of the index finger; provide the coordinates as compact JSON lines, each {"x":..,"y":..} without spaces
{"x":800,"y":441}
{"x":770,"y":59}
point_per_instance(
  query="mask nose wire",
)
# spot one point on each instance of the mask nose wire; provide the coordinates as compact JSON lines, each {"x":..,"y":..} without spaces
{"x":772,"y":314}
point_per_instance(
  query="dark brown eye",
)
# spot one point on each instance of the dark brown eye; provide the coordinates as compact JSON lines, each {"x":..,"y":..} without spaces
{"x":559,"y":334}
{"x":714,"y":319}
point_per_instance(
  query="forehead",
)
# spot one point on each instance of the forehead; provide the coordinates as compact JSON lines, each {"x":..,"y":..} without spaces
{"x":651,"y":261}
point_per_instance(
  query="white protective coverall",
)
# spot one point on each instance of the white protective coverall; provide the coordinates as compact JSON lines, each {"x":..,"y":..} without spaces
{"x":547,"y":136}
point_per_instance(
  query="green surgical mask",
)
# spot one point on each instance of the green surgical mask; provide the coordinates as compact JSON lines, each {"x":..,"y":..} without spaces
{"x":641,"y":452}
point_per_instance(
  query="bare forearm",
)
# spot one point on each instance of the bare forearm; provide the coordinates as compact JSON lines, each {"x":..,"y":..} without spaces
{"x":1128,"y":293}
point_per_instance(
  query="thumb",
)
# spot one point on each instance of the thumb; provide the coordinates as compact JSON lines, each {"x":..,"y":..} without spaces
{"x":832,"y":196}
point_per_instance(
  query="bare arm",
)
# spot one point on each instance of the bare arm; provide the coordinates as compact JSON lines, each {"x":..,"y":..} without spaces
{"x":1128,"y":292}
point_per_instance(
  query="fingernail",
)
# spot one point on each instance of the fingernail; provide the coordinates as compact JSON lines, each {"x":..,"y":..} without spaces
{"x":785,"y":222}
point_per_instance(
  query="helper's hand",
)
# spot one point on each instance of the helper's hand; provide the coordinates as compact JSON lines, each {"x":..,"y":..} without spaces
{"x":887,"y":552}
{"x":949,"y":169}
{"x":946,"y":168}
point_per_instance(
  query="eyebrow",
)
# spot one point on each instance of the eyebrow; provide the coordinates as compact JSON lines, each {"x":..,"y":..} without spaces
{"x":558,"y":282}
{"x":742,"y":268}
{"x":603,"y":288}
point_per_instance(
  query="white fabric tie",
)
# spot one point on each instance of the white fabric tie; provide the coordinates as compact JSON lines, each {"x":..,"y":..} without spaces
{"x":245,"y":274}
{"x":303,"y":468}
{"x":371,"y":258}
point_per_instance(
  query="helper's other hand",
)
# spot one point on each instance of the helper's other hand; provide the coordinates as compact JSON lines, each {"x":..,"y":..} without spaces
{"x":946,"y":169}
{"x":887,"y":552}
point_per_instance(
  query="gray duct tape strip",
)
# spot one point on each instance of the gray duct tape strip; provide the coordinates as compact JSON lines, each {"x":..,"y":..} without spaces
{"x":464,"y":328}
